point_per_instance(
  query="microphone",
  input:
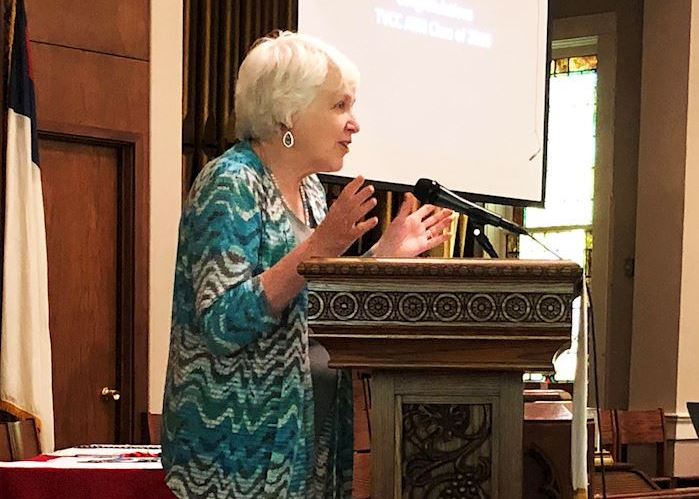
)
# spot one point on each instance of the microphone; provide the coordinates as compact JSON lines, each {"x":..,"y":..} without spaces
{"x":429,"y":191}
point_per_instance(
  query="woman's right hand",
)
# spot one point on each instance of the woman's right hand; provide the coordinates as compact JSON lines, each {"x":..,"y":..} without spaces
{"x":342,"y":226}
{"x":345,"y":223}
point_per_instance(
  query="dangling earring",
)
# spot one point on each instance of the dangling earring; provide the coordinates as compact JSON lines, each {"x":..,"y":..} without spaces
{"x":288,"y":139}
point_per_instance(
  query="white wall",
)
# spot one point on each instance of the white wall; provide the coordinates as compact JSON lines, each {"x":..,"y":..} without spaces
{"x":665,"y":316}
{"x":165,"y":181}
{"x":660,"y":208}
{"x":686,"y":447}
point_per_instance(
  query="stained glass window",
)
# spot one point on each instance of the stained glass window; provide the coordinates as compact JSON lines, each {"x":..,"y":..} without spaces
{"x":565,"y":224}
{"x":578,"y":64}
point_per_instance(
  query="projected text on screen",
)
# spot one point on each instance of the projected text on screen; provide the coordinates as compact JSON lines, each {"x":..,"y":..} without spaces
{"x":412,"y":17}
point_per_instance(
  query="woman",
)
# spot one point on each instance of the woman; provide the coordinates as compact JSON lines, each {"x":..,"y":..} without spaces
{"x":238,"y":418}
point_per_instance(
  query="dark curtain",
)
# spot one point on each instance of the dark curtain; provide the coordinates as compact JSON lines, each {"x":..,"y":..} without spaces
{"x":217,"y":34}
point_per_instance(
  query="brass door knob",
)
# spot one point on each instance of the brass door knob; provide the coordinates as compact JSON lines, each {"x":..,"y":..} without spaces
{"x":110,"y":394}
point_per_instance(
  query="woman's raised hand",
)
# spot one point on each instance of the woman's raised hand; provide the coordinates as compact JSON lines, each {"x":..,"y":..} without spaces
{"x":345,"y":223}
{"x":414,"y":232}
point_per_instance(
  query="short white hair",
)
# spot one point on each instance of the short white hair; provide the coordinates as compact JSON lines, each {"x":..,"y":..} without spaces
{"x":279,"y":77}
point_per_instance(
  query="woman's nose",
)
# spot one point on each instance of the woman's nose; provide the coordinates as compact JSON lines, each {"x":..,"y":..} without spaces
{"x":353,"y":125}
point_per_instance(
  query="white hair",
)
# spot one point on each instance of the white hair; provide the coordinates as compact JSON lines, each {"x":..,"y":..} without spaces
{"x":279,"y":77}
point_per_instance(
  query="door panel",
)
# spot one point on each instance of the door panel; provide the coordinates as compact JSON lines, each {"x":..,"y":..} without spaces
{"x":81,"y":193}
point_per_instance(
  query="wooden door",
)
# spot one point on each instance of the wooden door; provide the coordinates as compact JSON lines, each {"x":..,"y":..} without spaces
{"x":92,"y":84}
{"x":81,"y":194}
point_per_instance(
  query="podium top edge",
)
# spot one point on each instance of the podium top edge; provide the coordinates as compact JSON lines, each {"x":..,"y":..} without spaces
{"x":442,"y":268}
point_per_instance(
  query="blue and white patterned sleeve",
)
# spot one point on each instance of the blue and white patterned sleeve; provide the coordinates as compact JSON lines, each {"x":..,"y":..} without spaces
{"x":224,"y":239}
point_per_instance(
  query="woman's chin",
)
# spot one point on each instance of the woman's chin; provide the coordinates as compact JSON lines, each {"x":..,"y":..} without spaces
{"x":333,"y":167}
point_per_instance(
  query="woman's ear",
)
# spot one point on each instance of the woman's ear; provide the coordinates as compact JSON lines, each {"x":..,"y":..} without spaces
{"x":286,"y":125}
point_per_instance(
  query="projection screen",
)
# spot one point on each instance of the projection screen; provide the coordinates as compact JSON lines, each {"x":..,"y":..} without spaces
{"x":452,"y":90}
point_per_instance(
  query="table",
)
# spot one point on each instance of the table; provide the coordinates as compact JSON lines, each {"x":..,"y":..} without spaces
{"x":95,"y":471}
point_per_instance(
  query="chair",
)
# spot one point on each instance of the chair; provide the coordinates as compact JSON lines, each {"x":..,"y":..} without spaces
{"x":644,"y":428}
{"x":609,"y":434}
{"x":5,"y":451}
{"x":155,"y":423}
{"x":24,"y":439}
{"x":622,"y":478}
{"x":693,"y":409}
{"x":690,"y":493}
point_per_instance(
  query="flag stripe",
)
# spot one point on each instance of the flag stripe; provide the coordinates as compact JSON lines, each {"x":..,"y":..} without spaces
{"x":25,"y":356}
{"x":21,"y":98}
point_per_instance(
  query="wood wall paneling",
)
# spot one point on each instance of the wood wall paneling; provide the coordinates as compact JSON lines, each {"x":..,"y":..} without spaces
{"x":92,"y":84}
{"x":90,"y":89}
{"x":106,"y":26}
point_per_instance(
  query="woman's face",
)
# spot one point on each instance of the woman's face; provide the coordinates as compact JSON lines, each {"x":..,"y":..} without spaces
{"x":323,"y":131}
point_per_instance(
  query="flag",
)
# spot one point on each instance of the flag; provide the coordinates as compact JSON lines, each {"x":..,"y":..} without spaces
{"x":25,"y":344}
{"x":579,"y":425}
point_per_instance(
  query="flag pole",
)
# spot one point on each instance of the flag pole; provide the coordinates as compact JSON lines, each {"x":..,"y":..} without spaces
{"x":579,"y":423}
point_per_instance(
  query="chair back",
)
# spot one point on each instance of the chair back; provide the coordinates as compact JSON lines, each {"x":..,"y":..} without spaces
{"x":155,"y":423}
{"x":642,"y":427}
{"x":609,"y":437}
{"x":5,"y":452}
{"x":693,"y":408}
{"x":24,"y":440}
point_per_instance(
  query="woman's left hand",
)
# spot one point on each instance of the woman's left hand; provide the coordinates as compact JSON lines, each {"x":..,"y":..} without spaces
{"x":411,"y":234}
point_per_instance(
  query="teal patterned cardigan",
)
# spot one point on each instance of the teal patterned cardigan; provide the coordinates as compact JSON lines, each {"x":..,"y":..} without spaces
{"x":238,"y":406}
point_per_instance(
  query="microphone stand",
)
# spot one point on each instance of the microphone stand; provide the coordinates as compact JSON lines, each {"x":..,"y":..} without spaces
{"x":483,"y":241}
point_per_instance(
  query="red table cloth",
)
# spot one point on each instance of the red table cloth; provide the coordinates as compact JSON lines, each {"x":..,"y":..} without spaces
{"x":104,"y":472}
{"x":52,"y":483}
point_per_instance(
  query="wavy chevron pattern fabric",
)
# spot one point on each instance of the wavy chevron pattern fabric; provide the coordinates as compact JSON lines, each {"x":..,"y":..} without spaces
{"x":238,"y":407}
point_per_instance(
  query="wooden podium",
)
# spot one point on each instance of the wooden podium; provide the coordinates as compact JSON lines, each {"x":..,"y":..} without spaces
{"x":447,"y":341}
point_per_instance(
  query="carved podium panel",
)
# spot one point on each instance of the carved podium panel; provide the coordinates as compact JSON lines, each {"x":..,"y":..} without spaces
{"x":447,"y":342}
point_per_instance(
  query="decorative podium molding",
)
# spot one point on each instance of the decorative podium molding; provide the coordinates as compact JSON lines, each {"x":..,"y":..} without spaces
{"x":498,"y":309}
{"x":382,"y":312}
{"x":447,"y":342}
